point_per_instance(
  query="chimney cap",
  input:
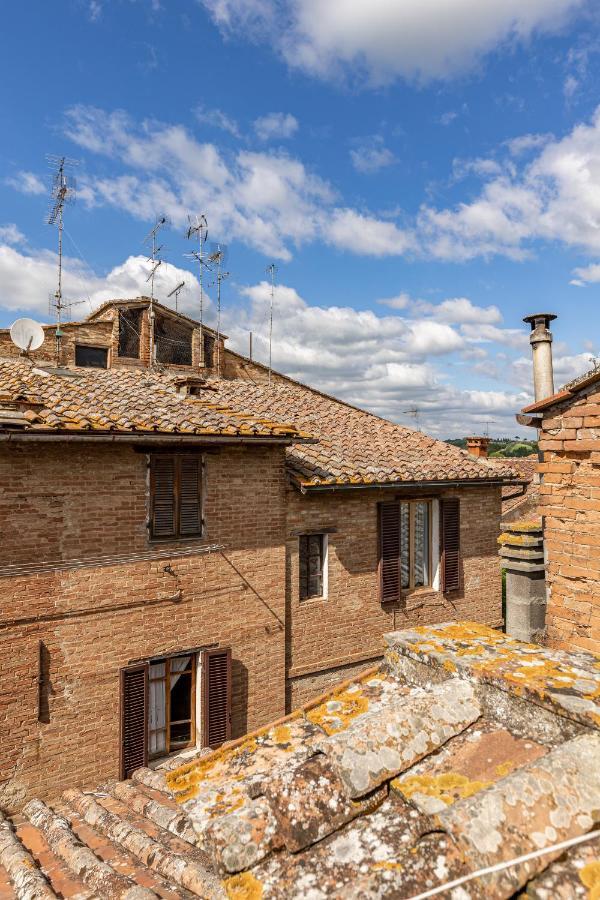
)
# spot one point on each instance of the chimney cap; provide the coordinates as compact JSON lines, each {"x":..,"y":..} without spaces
{"x":533,"y":320}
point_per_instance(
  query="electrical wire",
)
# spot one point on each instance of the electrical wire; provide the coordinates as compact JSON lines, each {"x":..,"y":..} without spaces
{"x":507,"y":864}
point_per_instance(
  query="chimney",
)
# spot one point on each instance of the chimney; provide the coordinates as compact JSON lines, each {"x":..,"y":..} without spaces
{"x":541,"y":345}
{"x":478,"y":446}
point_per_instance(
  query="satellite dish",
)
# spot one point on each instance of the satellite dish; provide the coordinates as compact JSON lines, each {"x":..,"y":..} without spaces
{"x":27,"y":334}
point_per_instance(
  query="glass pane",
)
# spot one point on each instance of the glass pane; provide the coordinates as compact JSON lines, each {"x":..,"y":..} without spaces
{"x":157,"y":716}
{"x":181,"y":733}
{"x":179,"y":663}
{"x":421,"y":544}
{"x":157,"y":670}
{"x":404,"y":550}
{"x":181,"y":696}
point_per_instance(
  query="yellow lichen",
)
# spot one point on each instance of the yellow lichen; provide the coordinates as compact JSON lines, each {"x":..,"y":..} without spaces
{"x":448,"y":787}
{"x":389,"y":866}
{"x":243,"y":887}
{"x":281,"y":734}
{"x":505,"y":768}
{"x":590,"y":876}
{"x":336,"y":713}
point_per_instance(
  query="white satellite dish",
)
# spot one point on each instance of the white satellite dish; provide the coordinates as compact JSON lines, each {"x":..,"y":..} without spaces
{"x":27,"y":334}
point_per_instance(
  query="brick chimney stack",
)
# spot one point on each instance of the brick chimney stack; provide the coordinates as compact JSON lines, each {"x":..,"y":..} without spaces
{"x":541,"y":346}
{"x":478,"y":446}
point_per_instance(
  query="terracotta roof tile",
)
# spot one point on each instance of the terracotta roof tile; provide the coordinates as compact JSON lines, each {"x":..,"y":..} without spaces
{"x":465,"y":750}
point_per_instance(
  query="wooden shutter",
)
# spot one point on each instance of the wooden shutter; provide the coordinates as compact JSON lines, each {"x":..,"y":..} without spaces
{"x":389,"y":552}
{"x":216,"y":697}
{"x":450,"y":523}
{"x":163,"y":492}
{"x":134,"y":718}
{"x":190,"y":495}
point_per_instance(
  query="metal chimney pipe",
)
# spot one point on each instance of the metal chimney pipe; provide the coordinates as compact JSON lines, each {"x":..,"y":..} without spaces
{"x":541,"y":347}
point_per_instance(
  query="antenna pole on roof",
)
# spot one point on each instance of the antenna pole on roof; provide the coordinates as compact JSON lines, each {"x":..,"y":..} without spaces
{"x":199,"y":230}
{"x":151,"y":238}
{"x":272,"y":271}
{"x":414,"y":412}
{"x":177,"y":290}
{"x":63,"y":191}
{"x":217,"y":259}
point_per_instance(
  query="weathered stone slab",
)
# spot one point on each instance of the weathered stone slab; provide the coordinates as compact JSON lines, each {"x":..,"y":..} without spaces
{"x":310,"y":802}
{"x":241,"y":839}
{"x":566,"y":683}
{"x":548,"y":801}
{"x":334,"y":864}
{"x":472,"y":761}
{"x":381,"y":744}
{"x":576,"y":875}
{"x":344,"y":706}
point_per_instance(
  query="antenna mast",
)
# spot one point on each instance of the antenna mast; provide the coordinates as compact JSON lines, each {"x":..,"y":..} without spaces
{"x":156,"y":263}
{"x":414,"y":412}
{"x":217,"y":258}
{"x":63,"y":191}
{"x":272,"y":271}
{"x":177,"y":290}
{"x":200,"y":231}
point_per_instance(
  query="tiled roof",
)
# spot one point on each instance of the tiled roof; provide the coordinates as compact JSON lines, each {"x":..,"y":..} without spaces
{"x":464,"y":751}
{"x":354,"y":446}
{"x":119,"y":400}
{"x":566,"y":392}
{"x":143,"y":302}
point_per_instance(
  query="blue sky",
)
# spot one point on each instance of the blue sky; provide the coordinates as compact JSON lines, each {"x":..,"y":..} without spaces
{"x":423,"y":173}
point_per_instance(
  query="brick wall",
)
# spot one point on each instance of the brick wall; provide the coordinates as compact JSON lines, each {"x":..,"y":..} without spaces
{"x":347,"y":628}
{"x":570,"y":502}
{"x":97,"y":334}
{"x":65,"y":503}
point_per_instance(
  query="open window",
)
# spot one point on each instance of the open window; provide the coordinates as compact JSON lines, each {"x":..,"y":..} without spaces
{"x":130,"y":329}
{"x":93,"y":357}
{"x":208,"y":350}
{"x":312,"y":565}
{"x":173,"y":342}
{"x":408,"y":547}
{"x":160,"y":699}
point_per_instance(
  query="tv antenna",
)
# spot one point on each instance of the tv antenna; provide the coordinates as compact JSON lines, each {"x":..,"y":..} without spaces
{"x":177,"y":290}
{"x":26,"y":334}
{"x":151,"y":238}
{"x":272,"y":271}
{"x":63,"y":192}
{"x":414,"y":412}
{"x":217,"y":259}
{"x":198,"y":230}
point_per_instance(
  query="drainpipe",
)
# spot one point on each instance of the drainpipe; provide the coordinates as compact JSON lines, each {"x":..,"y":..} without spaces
{"x":541,"y":347}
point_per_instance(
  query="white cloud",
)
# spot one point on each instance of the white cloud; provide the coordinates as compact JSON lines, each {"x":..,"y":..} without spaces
{"x":371,"y":155}
{"x":527,"y":142}
{"x":400,"y":301}
{"x":385,"y":39}
{"x":95,"y":10}
{"x":586,"y":274}
{"x":460,"y":310}
{"x":275,"y":125}
{"x":448,"y":117}
{"x":10,"y":234}
{"x":216,"y":118}
{"x":366,"y":235}
{"x":26,"y":183}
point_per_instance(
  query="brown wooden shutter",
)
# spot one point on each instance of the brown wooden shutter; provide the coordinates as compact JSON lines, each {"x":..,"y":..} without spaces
{"x":163,"y":491}
{"x":389,"y":552}
{"x":134,"y":718}
{"x":450,"y":526}
{"x":216,"y":697}
{"x":190,"y":495}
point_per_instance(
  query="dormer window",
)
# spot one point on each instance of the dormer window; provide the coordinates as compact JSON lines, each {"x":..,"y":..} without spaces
{"x":130,"y":328}
{"x":173,"y":342}
{"x":208,"y":347}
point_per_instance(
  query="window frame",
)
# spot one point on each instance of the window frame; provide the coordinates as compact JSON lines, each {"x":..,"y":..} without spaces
{"x":104,"y":349}
{"x":324,"y":537}
{"x":412,"y":504}
{"x":192,"y":670}
{"x":176,"y":456}
{"x":133,"y":313}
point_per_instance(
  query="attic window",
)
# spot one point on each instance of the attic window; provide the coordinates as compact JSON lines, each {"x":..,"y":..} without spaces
{"x":95,"y":357}
{"x":208,"y":348}
{"x":130,"y":326}
{"x":173,"y":342}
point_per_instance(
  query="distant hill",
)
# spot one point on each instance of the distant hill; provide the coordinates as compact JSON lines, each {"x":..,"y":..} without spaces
{"x":502,"y":447}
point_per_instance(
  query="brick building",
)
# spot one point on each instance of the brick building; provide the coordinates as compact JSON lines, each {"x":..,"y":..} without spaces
{"x":185,"y":556}
{"x":569,"y":423}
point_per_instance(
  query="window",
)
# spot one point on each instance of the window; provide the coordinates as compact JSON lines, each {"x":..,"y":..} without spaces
{"x":312,"y":561}
{"x":171,"y":704}
{"x":173,"y":342}
{"x":130,"y":327}
{"x":96,"y":357}
{"x":175,"y":495}
{"x":158,"y":705}
{"x":208,"y":347}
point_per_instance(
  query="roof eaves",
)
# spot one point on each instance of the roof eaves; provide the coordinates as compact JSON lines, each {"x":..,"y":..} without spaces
{"x":354,"y":484}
